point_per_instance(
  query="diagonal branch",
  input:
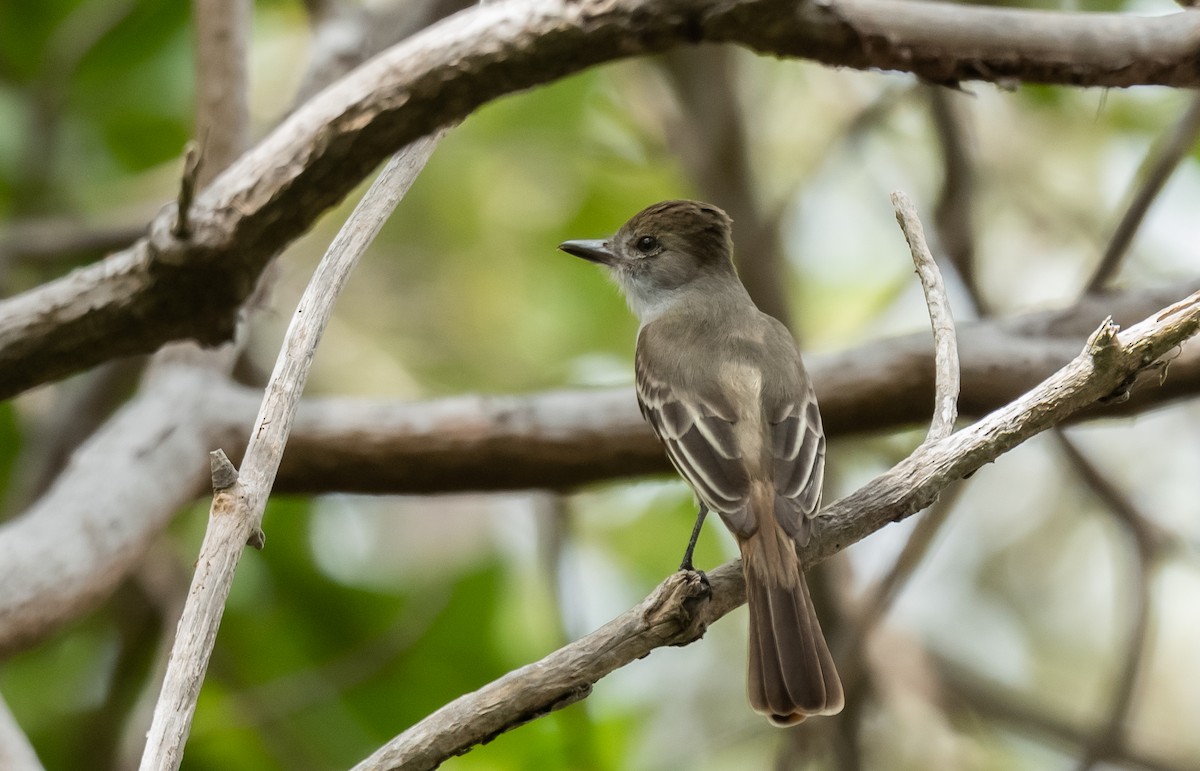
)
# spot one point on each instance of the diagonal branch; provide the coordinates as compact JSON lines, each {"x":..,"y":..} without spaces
{"x":681,"y":608}
{"x":146,"y":295}
{"x":239,"y":500}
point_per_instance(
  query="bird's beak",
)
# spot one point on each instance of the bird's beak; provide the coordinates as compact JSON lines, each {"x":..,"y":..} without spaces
{"x":595,"y":251}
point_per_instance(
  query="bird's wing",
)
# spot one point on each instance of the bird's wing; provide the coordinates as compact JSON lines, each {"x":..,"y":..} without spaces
{"x":698,"y":434}
{"x":798,"y":455}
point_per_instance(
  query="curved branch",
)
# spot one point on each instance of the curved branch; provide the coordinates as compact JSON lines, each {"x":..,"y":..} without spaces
{"x":947,"y":373}
{"x":164,"y":288}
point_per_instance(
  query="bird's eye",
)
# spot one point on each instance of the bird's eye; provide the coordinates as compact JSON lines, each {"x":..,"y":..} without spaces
{"x":647,"y":244}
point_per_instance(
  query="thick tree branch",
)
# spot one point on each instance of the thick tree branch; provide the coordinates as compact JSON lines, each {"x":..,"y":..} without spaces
{"x":677,"y":611}
{"x":560,"y":439}
{"x":56,"y":564}
{"x":564,"y":439}
{"x":163,"y":288}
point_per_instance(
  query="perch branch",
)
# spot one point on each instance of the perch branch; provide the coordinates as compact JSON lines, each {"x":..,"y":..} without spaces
{"x":676,"y":612}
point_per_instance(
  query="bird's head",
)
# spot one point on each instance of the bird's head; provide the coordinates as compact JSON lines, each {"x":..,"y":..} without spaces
{"x":662,"y":250}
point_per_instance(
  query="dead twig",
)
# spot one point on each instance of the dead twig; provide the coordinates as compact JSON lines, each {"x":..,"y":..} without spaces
{"x":945,"y":411}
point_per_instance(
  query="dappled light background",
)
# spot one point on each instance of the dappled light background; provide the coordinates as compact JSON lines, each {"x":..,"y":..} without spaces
{"x":364,"y":614}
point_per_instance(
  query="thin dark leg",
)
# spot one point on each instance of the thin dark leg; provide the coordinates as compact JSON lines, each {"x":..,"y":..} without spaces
{"x":691,"y":547}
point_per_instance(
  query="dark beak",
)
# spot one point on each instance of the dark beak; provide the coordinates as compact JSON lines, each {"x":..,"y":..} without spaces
{"x":595,"y":251}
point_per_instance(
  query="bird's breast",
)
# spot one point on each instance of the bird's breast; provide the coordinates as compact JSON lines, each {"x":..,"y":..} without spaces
{"x":743,"y":382}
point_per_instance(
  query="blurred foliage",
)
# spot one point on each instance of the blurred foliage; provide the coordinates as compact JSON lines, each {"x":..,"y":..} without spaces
{"x":363,"y":615}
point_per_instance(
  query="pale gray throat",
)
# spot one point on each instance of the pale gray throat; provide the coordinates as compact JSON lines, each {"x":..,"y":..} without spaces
{"x":646,"y":303}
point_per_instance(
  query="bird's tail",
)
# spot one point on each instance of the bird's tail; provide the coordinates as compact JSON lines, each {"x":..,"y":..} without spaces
{"x":791,"y":672}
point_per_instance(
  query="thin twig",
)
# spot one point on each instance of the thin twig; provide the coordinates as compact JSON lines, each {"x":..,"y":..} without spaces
{"x":236,"y":514}
{"x":1147,"y":535}
{"x":1159,"y":165}
{"x":945,"y":409}
{"x":880,"y":598}
{"x":193,"y":156}
{"x":680,"y":608}
{"x":942,"y":425}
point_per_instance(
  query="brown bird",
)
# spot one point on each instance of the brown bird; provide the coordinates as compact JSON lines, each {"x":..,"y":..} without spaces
{"x":723,"y":387}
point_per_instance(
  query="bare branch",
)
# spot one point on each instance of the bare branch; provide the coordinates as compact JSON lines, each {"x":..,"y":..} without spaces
{"x":55,"y":564}
{"x":1159,"y":167}
{"x":1106,"y":367}
{"x":80,"y":408}
{"x":563,"y":439}
{"x":236,"y":514}
{"x":558,"y":439}
{"x":675,"y":613}
{"x":945,"y":345}
{"x":137,"y":300}
{"x":880,"y":597}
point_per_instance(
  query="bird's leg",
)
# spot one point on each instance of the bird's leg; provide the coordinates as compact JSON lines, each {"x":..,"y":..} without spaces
{"x":691,"y":547}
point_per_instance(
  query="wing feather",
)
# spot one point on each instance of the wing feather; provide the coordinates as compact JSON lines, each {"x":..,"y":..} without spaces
{"x":697,"y":422}
{"x":798,"y":446}
{"x":702,"y":446}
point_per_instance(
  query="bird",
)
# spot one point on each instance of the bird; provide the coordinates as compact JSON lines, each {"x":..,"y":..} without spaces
{"x":724,"y":389}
